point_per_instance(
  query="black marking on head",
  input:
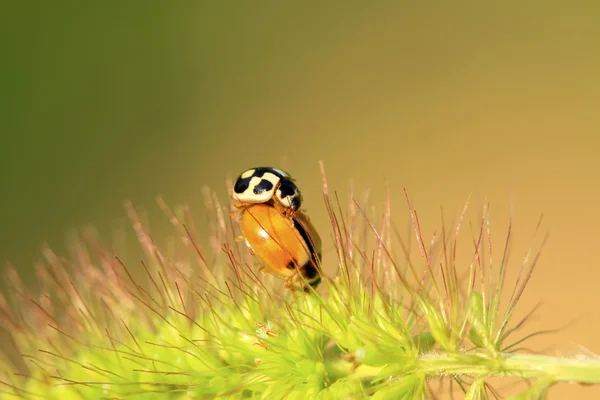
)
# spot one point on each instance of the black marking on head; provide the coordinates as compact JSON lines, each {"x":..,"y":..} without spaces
{"x":287,"y":188}
{"x":260,"y":171}
{"x":291,"y":265}
{"x":242,"y":184}
{"x":263,"y":186}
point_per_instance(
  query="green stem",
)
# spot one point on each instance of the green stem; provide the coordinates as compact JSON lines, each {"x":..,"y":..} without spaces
{"x":483,"y":365}
{"x":522,"y":365}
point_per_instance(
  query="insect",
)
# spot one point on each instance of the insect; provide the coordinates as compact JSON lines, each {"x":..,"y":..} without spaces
{"x":287,"y":247}
{"x":267,"y":185}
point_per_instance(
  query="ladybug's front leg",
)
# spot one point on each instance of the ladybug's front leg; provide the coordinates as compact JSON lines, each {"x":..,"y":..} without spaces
{"x":235,"y":211}
{"x":289,"y":282}
{"x":289,"y":213}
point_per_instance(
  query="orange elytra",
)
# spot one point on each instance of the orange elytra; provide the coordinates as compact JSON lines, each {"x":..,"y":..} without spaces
{"x":287,"y":247}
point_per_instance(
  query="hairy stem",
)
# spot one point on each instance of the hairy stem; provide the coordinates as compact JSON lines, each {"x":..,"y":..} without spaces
{"x":504,"y":364}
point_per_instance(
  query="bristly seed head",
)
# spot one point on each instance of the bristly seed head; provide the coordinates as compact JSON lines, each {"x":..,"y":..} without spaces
{"x":184,"y":321}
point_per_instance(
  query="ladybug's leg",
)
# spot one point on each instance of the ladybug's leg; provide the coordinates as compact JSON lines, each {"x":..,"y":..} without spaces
{"x":235,"y":211}
{"x":289,"y":213}
{"x":289,"y":284}
{"x":294,"y":283}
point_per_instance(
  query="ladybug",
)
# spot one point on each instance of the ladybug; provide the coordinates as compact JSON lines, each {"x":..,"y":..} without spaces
{"x":287,"y":247}
{"x":267,"y":185}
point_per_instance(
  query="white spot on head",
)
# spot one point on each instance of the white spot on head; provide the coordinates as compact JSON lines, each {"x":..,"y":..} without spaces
{"x":285,"y":201}
{"x":274,"y":179}
{"x":248,"y":195}
{"x":248,"y":173}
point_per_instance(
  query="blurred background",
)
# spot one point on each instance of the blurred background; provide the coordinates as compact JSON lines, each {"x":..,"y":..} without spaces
{"x":100,"y":104}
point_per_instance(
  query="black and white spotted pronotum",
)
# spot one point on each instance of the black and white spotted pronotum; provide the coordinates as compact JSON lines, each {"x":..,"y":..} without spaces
{"x":266,"y":184}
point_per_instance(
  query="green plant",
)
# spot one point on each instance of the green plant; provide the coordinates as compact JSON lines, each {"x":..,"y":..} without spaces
{"x":203,"y":324}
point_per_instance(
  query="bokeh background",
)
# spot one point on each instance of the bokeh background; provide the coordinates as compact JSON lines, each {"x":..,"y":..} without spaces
{"x":100,"y":104}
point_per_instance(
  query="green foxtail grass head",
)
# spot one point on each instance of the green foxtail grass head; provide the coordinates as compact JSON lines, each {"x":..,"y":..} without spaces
{"x":200,"y":322}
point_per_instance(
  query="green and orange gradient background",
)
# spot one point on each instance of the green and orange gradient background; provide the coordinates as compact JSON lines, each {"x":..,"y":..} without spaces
{"x":100,"y":103}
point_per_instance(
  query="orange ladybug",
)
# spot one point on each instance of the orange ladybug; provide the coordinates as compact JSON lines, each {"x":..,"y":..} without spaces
{"x":288,"y":247}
